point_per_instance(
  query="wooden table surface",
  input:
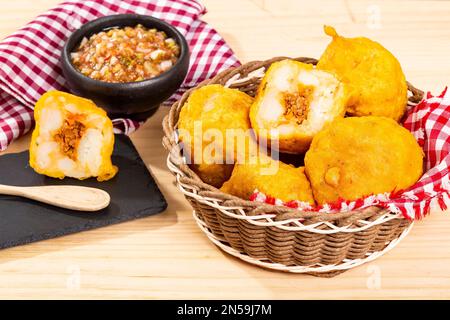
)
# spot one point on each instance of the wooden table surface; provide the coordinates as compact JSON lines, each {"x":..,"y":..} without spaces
{"x":167,"y":256}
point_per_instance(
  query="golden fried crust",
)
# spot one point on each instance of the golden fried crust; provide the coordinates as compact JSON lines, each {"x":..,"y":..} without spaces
{"x":273,"y":178}
{"x":213,"y":174}
{"x":359,"y":156}
{"x":374,"y":76}
{"x":294,"y":101}
{"x":213,"y":118}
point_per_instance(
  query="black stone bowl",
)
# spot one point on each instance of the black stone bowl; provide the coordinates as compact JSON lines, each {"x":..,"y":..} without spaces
{"x":137,"y":100}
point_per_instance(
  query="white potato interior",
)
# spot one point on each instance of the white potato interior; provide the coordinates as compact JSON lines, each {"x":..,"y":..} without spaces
{"x":51,"y":120}
{"x":44,"y":150}
{"x":89,"y":151}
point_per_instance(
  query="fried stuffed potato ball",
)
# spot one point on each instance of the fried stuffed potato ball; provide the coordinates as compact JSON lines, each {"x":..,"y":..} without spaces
{"x":294,"y":101}
{"x":374,"y":76}
{"x":359,"y":156}
{"x":214,"y":126}
{"x":273,"y":178}
{"x":72,"y":138}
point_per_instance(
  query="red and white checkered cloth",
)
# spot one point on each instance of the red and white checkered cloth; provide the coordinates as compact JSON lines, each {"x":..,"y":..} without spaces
{"x":429,"y":122}
{"x":29,"y":58}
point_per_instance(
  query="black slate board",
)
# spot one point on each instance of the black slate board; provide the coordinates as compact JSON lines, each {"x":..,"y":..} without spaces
{"x":134,"y":194}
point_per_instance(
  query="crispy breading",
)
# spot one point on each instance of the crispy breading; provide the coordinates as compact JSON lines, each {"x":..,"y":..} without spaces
{"x":373,"y":75}
{"x":213,"y":174}
{"x":359,"y":156}
{"x":273,"y":178}
{"x":215,"y":128}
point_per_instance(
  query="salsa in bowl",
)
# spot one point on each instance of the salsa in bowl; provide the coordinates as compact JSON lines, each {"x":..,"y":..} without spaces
{"x":128,"y":64}
{"x":126,"y":54}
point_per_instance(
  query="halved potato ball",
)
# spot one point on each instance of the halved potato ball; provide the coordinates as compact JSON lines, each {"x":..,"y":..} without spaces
{"x":72,"y":138}
{"x":293,"y":103}
{"x":215,"y":128}
{"x":374,"y":76}
{"x":273,"y":178}
{"x":359,"y":156}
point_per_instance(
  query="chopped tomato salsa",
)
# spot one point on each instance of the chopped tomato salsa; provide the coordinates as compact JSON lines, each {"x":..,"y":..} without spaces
{"x":126,"y":54}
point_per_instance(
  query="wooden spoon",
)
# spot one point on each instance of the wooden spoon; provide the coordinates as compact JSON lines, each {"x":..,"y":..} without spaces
{"x":69,"y":197}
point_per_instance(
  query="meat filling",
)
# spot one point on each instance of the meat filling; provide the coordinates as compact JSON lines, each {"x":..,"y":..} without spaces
{"x":69,"y":135}
{"x":297,"y":104}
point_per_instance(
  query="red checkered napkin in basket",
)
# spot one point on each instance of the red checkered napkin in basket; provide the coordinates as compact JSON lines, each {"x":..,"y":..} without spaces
{"x":429,"y":122}
{"x":29,"y":58}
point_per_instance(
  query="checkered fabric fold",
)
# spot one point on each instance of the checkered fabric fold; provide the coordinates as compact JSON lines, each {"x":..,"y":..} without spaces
{"x":29,"y":58}
{"x":429,"y":122}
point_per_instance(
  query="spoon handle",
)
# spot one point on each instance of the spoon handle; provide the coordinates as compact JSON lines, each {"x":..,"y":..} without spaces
{"x":69,"y":197}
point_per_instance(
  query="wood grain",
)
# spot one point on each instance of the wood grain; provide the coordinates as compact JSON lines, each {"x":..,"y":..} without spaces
{"x":167,"y":256}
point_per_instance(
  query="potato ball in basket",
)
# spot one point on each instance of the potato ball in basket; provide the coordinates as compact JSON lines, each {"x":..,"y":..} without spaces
{"x":293,"y":103}
{"x":214,"y":127}
{"x":271,"y":177}
{"x":376,"y":83}
{"x":360,"y":156}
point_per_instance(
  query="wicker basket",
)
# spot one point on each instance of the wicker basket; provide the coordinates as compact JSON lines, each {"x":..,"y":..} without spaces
{"x":278,"y":237}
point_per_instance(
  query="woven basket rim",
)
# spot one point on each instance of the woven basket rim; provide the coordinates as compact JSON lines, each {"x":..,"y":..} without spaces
{"x":243,"y":78}
{"x":314,"y":269}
